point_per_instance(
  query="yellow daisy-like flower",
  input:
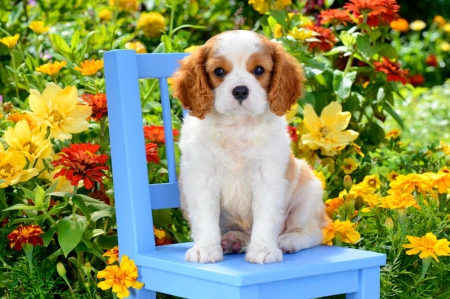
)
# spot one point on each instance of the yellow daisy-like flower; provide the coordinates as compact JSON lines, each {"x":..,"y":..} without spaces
{"x":38,"y":27}
{"x":32,"y":144}
{"x":10,"y":41}
{"x":137,"y":46}
{"x":12,"y":167}
{"x":427,"y":246}
{"x":191,"y":49}
{"x":51,"y":68}
{"x":394,"y":133}
{"x":407,"y":183}
{"x":446,"y":27}
{"x":440,"y":180}
{"x":392,"y":176}
{"x":345,"y":231}
{"x":151,"y":23}
{"x":125,"y":5}
{"x":327,"y":131}
{"x":417,"y":25}
{"x":90,"y":67}
{"x":262,"y":6}
{"x":120,"y":278}
{"x":105,"y":15}
{"x":398,"y":200}
{"x":290,"y":115}
{"x":277,"y":31}
{"x":349,"y":165}
{"x":372,"y":181}
{"x":301,"y":33}
{"x":321,"y":177}
{"x":112,"y":254}
{"x":59,"y":110}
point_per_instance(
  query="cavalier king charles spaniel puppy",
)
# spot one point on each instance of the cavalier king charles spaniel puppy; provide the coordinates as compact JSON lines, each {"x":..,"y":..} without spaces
{"x":241,"y":188}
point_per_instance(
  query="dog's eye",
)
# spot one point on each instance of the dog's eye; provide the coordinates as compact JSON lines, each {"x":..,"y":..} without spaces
{"x":258,"y":71}
{"x":219,"y":72}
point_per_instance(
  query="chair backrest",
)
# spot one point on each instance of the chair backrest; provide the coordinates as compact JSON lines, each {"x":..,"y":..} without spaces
{"x":134,"y":196}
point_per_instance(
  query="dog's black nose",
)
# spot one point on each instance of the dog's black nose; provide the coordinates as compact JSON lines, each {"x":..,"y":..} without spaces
{"x":240,"y":93}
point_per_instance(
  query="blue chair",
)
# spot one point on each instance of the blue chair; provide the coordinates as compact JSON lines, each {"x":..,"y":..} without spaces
{"x":310,"y":273}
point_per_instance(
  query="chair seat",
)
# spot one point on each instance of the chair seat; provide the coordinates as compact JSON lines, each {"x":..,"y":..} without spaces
{"x":324,"y":265}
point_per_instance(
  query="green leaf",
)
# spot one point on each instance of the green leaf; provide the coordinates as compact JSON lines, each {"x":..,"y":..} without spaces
{"x":28,"y":193}
{"x":394,"y":114}
{"x":342,"y":84}
{"x":107,"y":241}
{"x":39,"y":197}
{"x":389,"y":52}
{"x":363,"y":45}
{"x":48,"y":235}
{"x":60,"y":44}
{"x":79,"y":202}
{"x":162,"y":217}
{"x":380,"y":94}
{"x":94,"y":204}
{"x":70,"y":232}
{"x":75,"y":41}
{"x":101,"y":214}
{"x":180,"y":237}
{"x":20,"y":206}
{"x":54,"y":255}
{"x":280,"y":16}
{"x":328,"y":3}
{"x":167,"y":43}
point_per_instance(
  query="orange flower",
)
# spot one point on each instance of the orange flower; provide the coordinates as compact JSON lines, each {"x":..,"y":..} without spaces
{"x":392,"y":70}
{"x":51,"y":68}
{"x":431,"y":60}
{"x":335,"y":16}
{"x":399,"y":200}
{"x":25,"y":235}
{"x":16,"y":117}
{"x":407,"y":183}
{"x":343,"y":230}
{"x":331,"y":205}
{"x":416,"y":80}
{"x":400,"y":24}
{"x":113,"y":255}
{"x":325,"y":36}
{"x":97,"y":103}
{"x":440,"y":180}
{"x":151,"y":152}
{"x":90,"y":67}
{"x":377,"y":11}
{"x":394,"y":133}
{"x":156,"y":133}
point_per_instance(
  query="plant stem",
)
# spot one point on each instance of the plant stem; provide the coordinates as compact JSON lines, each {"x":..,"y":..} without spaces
{"x":172,"y":17}
{"x":116,"y":12}
{"x":16,"y":79}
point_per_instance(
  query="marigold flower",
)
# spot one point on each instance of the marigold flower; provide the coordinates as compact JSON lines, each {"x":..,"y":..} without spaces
{"x":392,"y":176}
{"x":394,"y":133}
{"x":400,"y":24}
{"x":16,"y":117}
{"x":417,"y":25}
{"x":335,"y":16}
{"x":90,"y":67}
{"x":371,"y":201}
{"x":345,"y":231}
{"x":80,"y":162}
{"x":407,"y":183}
{"x":151,"y":153}
{"x":440,"y":180}
{"x":325,"y":36}
{"x":38,"y":27}
{"x":10,"y":41}
{"x":349,"y":165}
{"x":105,"y":15}
{"x":112,"y":254}
{"x":359,"y":190}
{"x":137,"y":46}
{"x":399,"y":200}
{"x":59,"y":110}
{"x":428,"y":245}
{"x":262,"y":6}
{"x":51,"y":68}
{"x":331,"y":205}
{"x":12,"y":167}
{"x":156,"y":133}
{"x":98,"y":104}
{"x":327,"y":131}
{"x":29,"y":234}
{"x":445,"y":169}
{"x":151,"y":23}
{"x":161,"y":237}
{"x":120,"y":278}
{"x":125,"y":5}
{"x":392,"y":70}
{"x":277,"y":31}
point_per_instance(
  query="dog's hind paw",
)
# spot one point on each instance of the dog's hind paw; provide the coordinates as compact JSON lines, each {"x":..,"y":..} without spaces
{"x":234,"y":242}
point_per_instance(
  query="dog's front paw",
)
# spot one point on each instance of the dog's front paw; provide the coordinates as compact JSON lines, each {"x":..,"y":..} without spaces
{"x":204,"y":254}
{"x":259,"y":254}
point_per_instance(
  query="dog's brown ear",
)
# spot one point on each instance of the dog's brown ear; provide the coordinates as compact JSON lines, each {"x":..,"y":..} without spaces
{"x":190,"y":83}
{"x":287,"y":81}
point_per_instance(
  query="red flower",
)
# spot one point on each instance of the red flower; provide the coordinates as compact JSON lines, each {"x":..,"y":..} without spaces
{"x":156,"y":133}
{"x":81,"y":163}
{"x":392,"y":70}
{"x":151,"y":151}
{"x":432,"y":60}
{"x":416,"y":80}
{"x":335,"y":16}
{"x":326,"y":39}
{"x":97,"y":103}
{"x":377,"y":11}
{"x":293,"y":133}
{"x":25,"y":235}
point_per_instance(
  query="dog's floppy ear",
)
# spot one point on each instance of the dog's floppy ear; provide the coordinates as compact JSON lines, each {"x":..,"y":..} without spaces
{"x":287,"y":81}
{"x":190,"y":83}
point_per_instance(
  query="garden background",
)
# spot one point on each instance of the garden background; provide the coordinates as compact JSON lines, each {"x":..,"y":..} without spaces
{"x":373,"y":124}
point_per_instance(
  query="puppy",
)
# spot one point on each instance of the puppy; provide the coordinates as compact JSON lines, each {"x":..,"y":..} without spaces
{"x":241,"y":188}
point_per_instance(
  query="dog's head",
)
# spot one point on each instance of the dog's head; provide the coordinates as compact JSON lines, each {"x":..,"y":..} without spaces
{"x":238,"y":72}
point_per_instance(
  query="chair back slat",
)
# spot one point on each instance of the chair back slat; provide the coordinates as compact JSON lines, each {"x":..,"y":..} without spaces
{"x":158,"y":65}
{"x":169,"y":192}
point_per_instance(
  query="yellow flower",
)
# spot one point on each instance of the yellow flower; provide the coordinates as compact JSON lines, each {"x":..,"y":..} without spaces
{"x":392,"y":176}
{"x":400,"y":25}
{"x":321,"y":177}
{"x":446,"y":27}
{"x":417,"y":25}
{"x":16,"y":117}
{"x":151,"y":23}
{"x":277,"y":31}
{"x":357,"y":149}
{"x":394,"y":133}
{"x":126,"y":5}
{"x":12,"y":164}
{"x":327,"y":132}
{"x":191,"y":49}
{"x":32,"y":144}
{"x":58,"y":109}
{"x":113,"y":255}
{"x":38,"y":27}
{"x":90,"y":67}
{"x":10,"y":41}
{"x":445,"y":46}
{"x":301,"y":33}
{"x":343,"y":230}
{"x":372,"y":181}
{"x":371,"y":201}
{"x":428,"y":245}
{"x":349,"y":165}
{"x":262,"y":6}
{"x":398,"y":200}
{"x":359,"y":190}
{"x":291,"y":113}
{"x":137,"y":46}
{"x":51,"y":68}
{"x":332,"y":204}
{"x":444,"y":147}
{"x":120,"y":278}
{"x":439,"y":20}
{"x":105,"y":15}
{"x":441,"y":180}
{"x":408,"y":183}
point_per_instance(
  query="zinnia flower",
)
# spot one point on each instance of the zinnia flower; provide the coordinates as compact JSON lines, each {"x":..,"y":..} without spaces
{"x":112,"y":254}
{"x":327,"y":131}
{"x":120,"y":278}
{"x":428,"y":245}
{"x":32,"y":144}
{"x":334,"y":16}
{"x":416,"y":80}
{"x":10,"y":41}
{"x":51,"y":68}
{"x":58,"y":109}
{"x":151,"y":153}
{"x":29,"y":234}
{"x":325,"y":36}
{"x":151,"y":23}
{"x":80,"y":162}
{"x":156,"y":133}
{"x":137,"y":46}
{"x":399,"y":200}
{"x":349,"y":165}
{"x":38,"y":27}
{"x":12,"y":167}
{"x":431,"y":60}
{"x":97,"y":103}
{"x":90,"y":67}
{"x":400,"y":24}
{"x":407,"y":183}
{"x":394,"y":133}
{"x":377,"y":12}
{"x":417,"y":25}
{"x":392,"y":70}
{"x":345,"y":231}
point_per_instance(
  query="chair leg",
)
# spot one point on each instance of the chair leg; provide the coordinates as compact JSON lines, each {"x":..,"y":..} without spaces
{"x":142,"y":294}
{"x":369,"y":284}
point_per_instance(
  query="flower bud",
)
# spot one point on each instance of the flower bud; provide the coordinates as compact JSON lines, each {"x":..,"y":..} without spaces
{"x":87,"y":268}
{"x":8,"y":107}
{"x":61,"y":269}
{"x":389,"y":223}
{"x":348,"y":183}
